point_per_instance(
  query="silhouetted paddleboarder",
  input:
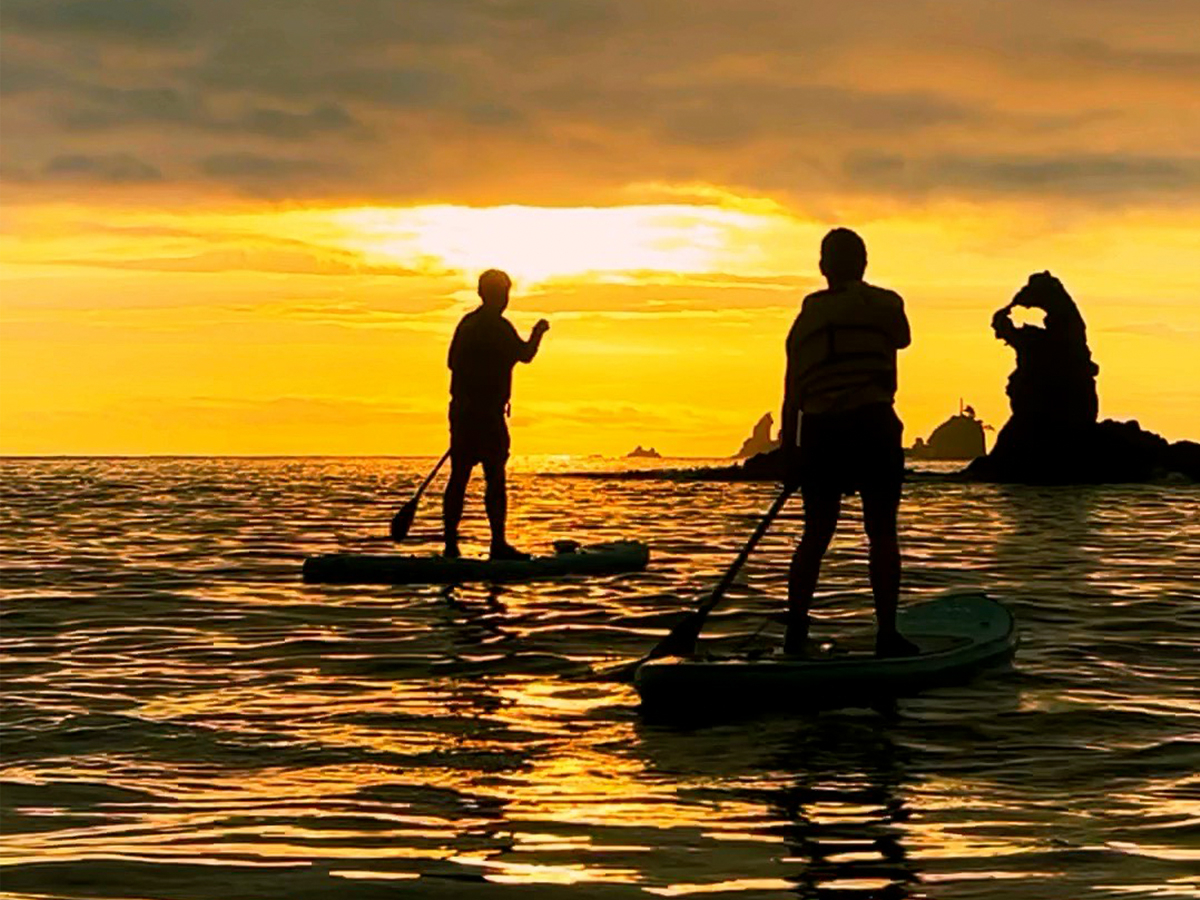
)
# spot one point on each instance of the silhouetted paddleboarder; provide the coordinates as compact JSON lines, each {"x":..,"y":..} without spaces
{"x":482,"y":354}
{"x":840,"y":430}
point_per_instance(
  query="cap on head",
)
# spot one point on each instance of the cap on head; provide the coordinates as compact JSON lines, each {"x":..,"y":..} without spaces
{"x":494,"y":286}
{"x":843,"y":256}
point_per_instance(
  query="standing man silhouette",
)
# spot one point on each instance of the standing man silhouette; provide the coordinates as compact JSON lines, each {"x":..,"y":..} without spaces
{"x":841,"y":433}
{"x":482,"y":355}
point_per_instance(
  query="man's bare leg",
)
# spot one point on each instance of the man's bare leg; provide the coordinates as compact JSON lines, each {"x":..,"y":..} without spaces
{"x":821,"y":509}
{"x":496,"y":500}
{"x":452,"y":505}
{"x":879,"y":520}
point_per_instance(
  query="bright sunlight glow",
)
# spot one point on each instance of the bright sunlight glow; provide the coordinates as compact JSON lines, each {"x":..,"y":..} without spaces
{"x":537,"y":243}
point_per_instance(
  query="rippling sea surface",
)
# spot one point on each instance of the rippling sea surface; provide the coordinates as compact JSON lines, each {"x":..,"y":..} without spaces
{"x":184,"y":718}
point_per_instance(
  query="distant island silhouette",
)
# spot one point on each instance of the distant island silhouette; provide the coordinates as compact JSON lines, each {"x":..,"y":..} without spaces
{"x":760,"y":440}
{"x":640,"y":452}
{"x":959,"y":437}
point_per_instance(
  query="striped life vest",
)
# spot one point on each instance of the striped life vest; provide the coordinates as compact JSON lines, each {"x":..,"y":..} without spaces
{"x":842,"y":348}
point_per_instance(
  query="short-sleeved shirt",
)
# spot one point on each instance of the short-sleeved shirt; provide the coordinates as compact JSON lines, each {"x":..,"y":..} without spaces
{"x":841,"y":350}
{"x":482,"y":355}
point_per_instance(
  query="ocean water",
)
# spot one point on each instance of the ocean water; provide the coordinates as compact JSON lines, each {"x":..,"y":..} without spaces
{"x":184,"y":718}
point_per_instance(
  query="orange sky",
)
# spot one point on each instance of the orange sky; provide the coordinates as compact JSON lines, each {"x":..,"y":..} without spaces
{"x":227,"y":232}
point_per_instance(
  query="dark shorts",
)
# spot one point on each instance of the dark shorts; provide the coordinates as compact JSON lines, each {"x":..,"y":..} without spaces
{"x":478,"y":438}
{"x":855,"y":451}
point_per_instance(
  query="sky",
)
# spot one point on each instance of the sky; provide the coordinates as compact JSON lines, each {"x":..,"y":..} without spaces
{"x":250,"y":228}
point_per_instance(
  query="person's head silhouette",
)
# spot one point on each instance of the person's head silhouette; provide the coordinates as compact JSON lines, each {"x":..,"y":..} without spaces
{"x":843,"y":257}
{"x":494,"y":286}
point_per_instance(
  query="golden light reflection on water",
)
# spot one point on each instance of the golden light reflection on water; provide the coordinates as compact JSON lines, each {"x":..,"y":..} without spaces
{"x":390,"y":734}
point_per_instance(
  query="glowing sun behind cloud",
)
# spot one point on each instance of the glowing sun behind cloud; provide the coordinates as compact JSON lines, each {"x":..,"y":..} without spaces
{"x":537,"y":243}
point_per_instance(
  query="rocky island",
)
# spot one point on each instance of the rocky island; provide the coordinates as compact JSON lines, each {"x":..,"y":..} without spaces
{"x":760,"y":440}
{"x":1052,"y":435}
{"x":640,"y":452}
{"x":959,"y":437}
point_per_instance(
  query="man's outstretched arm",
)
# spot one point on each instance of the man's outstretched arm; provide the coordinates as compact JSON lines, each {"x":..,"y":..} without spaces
{"x":528,"y":349}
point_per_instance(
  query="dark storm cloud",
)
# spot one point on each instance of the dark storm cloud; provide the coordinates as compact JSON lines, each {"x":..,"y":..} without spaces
{"x":552,"y":101}
{"x":740,"y":113}
{"x":286,"y":76}
{"x":290,"y":126}
{"x":116,"y":19}
{"x":18,"y":78}
{"x":255,"y":167}
{"x":106,"y":108}
{"x":99,"y":107}
{"x":1170,"y":61}
{"x":116,"y":168}
{"x":1097,"y":175}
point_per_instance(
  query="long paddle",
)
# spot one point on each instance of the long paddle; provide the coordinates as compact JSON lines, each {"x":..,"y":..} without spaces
{"x":681,"y":640}
{"x":402,"y":520}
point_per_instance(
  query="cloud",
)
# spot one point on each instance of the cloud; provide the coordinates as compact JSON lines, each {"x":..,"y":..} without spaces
{"x":99,"y":108}
{"x":117,"y":168}
{"x":1162,"y":330}
{"x":290,"y":126}
{"x":296,"y":262}
{"x":1134,"y":60}
{"x":545,"y":102}
{"x":120,"y":20}
{"x":256,"y":167}
{"x":1085,"y":174}
{"x":743,"y":112}
{"x":654,"y":419}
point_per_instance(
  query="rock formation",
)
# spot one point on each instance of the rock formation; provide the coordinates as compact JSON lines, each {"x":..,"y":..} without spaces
{"x":760,"y":440}
{"x":640,"y":452}
{"x":1052,"y":436}
{"x":959,"y":437}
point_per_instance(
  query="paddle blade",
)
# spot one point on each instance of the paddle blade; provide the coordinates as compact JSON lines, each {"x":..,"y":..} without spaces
{"x":680,"y":641}
{"x":402,"y":520}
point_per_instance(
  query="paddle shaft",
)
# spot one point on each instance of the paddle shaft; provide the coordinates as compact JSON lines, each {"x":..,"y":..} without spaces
{"x":682,"y":637}
{"x":403,"y":518}
{"x":430,"y":477}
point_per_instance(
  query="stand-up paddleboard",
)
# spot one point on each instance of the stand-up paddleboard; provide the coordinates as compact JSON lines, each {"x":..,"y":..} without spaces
{"x":571,"y":559}
{"x":957,"y":636}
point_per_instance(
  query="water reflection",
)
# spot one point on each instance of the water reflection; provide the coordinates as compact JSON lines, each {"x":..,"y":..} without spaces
{"x":175,"y":692}
{"x":1047,"y":533}
{"x":823,"y":798}
{"x":846,"y":815}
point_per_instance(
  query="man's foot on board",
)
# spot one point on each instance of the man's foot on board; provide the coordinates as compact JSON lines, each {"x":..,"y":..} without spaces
{"x":810,"y":648}
{"x":507,"y":551}
{"x":895,"y":644}
{"x":451,"y":550}
{"x":795,"y":641}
